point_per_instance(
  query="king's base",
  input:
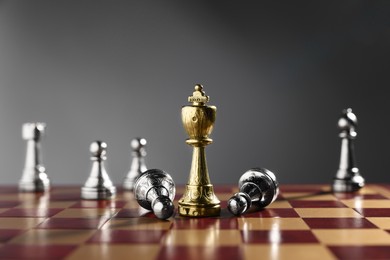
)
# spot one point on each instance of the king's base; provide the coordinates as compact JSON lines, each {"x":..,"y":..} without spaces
{"x":199,"y":201}
{"x":199,"y":211}
{"x":88,"y":193}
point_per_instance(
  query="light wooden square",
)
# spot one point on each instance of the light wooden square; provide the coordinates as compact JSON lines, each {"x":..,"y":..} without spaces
{"x":10,"y":197}
{"x":54,"y":205}
{"x":383,"y":223}
{"x":117,"y":252}
{"x":368,"y":190}
{"x":137,"y":224}
{"x":327,"y":213}
{"x":19,"y":223}
{"x":272,"y":224}
{"x":339,"y":237}
{"x":52,"y":236}
{"x":132,"y":204}
{"x":3,"y":209}
{"x":287,"y":252}
{"x":279,"y":204}
{"x":308,"y":196}
{"x":86,"y":213}
{"x":359,"y":203}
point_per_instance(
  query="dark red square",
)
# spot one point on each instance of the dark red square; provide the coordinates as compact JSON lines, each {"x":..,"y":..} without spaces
{"x":223,"y":189}
{"x":386,"y":186}
{"x":205,"y":223}
{"x":278,"y":236}
{"x":127,"y":236}
{"x":272,"y":213}
{"x":334,"y":223}
{"x":199,"y":252}
{"x":30,"y":212}
{"x":223,"y":204}
{"x":351,"y":195}
{"x":100,"y":204}
{"x":303,"y":196}
{"x":225,"y":213}
{"x":129,"y":213}
{"x":374,"y":212}
{"x":178,"y":196}
{"x":361,"y":252}
{"x":316,"y":204}
{"x":372,"y":197}
{"x":7,"y":234}
{"x":312,"y":188}
{"x":8,"y":189}
{"x":65,"y":196}
{"x":73,"y":223}
{"x":11,"y":251}
{"x":9,"y":204}
{"x":135,"y":213}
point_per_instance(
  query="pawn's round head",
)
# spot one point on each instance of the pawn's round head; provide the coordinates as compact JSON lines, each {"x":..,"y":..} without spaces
{"x":163,"y":207}
{"x":348,"y":120}
{"x":98,"y":149}
{"x":138,"y":143}
{"x":239,"y":203}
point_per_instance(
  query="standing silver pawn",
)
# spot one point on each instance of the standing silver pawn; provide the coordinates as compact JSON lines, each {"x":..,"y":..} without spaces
{"x":155,"y":190}
{"x":34,"y":178}
{"x":257,"y":186}
{"x":98,"y":186}
{"x":348,"y":178}
{"x":137,"y":166}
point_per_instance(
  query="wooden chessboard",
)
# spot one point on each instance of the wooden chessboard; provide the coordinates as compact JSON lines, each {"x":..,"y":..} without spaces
{"x":306,"y":222}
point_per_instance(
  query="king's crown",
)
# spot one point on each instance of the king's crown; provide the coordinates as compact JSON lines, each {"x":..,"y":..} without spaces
{"x":198,"y":97}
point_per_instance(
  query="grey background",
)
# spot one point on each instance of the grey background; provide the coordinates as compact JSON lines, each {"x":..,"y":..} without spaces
{"x":279,"y":73}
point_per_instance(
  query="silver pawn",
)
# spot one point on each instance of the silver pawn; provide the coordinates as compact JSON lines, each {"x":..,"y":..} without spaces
{"x":257,"y":186}
{"x":155,"y":190}
{"x":98,"y":186}
{"x":137,"y":166}
{"x":34,"y":178}
{"x":348,"y":178}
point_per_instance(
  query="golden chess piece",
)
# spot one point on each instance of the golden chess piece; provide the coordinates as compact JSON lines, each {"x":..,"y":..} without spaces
{"x":198,"y":119}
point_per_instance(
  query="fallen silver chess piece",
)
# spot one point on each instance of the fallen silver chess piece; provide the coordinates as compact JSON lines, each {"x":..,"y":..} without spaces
{"x":155,"y":190}
{"x":257,"y":186}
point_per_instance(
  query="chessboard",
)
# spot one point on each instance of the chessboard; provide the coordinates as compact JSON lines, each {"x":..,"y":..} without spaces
{"x":305,"y":222}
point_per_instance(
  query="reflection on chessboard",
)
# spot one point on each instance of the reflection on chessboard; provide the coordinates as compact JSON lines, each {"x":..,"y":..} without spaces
{"x":305,"y":222}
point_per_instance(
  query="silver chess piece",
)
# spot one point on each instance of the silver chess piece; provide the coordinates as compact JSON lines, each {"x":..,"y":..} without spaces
{"x":155,"y":190}
{"x":34,"y":177}
{"x":137,"y":166}
{"x":98,"y":185}
{"x":257,"y":186}
{"x":348,"y":178}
